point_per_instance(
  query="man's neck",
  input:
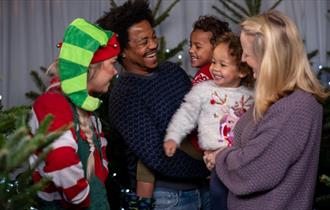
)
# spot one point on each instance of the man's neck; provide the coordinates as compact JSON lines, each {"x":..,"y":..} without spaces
{"x":137,"y":70}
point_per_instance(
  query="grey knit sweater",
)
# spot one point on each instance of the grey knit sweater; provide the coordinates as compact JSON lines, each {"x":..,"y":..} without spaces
{"x":273,"y":163}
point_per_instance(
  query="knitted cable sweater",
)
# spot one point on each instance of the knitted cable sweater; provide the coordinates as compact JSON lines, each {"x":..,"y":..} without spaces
{"x":214,"y":109}
{"x":140,"y":108}
{"x":273,"y":163}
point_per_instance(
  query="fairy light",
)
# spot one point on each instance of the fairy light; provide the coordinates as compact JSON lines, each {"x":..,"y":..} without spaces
{"x":179,"y":57}
{"x":167,"y":50}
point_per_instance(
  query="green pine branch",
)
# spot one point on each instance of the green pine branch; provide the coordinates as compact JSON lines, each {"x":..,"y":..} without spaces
{"x":232,"y":9}
{"x":236,"y":21}
{"x":172,"y":52}
{"x":235,"y":12}
{"x":18,"y":192}
{"x":165,"y":14}
{"x":113,"y":4}
{"x":39,"y":83}
{"x":275,"y":4}
{"x":156,"y":8}
{"x":312,"y":54}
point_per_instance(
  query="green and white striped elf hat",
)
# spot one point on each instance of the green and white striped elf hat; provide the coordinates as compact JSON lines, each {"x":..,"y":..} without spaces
{"x":80,"y":43}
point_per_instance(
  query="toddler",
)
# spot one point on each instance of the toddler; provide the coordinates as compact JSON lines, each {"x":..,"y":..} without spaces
{"x":215,"y":105}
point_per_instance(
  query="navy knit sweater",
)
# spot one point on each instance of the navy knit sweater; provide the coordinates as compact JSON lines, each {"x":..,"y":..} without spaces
{"x":140,"y":108}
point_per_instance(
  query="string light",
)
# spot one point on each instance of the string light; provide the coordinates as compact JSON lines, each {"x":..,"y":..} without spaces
{"x":180,"y":57}
{"x":320,"y":67}
{"x":167,"y":50}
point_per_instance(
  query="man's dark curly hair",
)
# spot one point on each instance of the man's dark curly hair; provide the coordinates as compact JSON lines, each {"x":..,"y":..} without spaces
{"x":211,"y":24}
{"x":120,"y":19}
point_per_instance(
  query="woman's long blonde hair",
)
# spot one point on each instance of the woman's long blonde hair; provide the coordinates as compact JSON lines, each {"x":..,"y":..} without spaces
{"x":284,"y":66}
{"x":85,"y":123}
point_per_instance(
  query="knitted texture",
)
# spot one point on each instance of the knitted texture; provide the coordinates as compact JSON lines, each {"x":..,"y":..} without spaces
{"x":273,"y":163}
{"x":63,"y":165}
{"x":140,"y":108}
{"x":214,"y":109}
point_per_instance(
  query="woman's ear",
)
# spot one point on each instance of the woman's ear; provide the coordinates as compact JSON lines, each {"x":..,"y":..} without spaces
{"x":242,"y":74}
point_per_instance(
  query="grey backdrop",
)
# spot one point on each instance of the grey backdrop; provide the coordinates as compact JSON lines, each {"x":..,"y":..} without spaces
{"x":30,"y":29}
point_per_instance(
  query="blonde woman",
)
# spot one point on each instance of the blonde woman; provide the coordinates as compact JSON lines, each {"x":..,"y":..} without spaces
{"x":77,"y":164}
{"x":273,"y":161}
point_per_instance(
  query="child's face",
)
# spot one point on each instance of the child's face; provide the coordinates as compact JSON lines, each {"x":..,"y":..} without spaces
{"x":200,"y":50}
{"x":224,"y":68}
{"x":100,"y":80}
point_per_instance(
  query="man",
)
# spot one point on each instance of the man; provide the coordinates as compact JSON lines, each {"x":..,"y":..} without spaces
{"x":141,"y":104}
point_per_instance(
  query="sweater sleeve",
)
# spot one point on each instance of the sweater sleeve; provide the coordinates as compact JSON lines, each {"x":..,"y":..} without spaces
{"x":143,"y":138}
{"x":263,"y":162}
{"x":185,"y":118}
{"x":62,"y":164}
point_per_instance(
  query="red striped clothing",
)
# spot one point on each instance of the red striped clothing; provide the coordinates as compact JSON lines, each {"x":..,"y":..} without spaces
{"x":203,"y":74}
{"x":62,"y":165}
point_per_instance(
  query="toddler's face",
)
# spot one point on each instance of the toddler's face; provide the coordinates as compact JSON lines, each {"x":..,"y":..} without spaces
{"x":100,"y":80}
{"x":200,"y":50}
{"x":224,"y":68}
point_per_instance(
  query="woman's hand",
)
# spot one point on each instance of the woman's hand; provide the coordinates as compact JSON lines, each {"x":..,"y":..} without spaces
{"x":209,"y":158}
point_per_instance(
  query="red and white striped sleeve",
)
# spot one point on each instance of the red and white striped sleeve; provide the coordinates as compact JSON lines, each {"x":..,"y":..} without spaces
{"x":62,"y":165}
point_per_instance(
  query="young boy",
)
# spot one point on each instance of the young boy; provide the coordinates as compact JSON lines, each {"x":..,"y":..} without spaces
{"x":205,"y":32}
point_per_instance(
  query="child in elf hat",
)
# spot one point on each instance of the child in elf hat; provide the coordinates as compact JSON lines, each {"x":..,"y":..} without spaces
{"x":77,"y":164}
{"x":214,"y":105}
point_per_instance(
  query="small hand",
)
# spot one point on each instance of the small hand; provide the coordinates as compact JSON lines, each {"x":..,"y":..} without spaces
{"x":169,"y":147}
{"x":209,"y":158}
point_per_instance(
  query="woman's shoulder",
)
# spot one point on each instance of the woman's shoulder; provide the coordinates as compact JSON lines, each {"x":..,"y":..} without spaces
{"x":300,"y":102}
{"x":51,"y":99}
{"x":54,"y":104}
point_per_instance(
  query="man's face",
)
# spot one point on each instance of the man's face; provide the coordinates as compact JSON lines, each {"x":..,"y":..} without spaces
{"x":140,"y":55}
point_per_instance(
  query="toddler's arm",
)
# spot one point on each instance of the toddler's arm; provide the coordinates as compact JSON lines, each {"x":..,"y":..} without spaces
{"x":169,"y":147}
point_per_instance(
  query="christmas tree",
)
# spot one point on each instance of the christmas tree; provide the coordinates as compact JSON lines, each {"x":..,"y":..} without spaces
{"x":16,"y":145}
{"x":40,"y":84}
{"x":239,"y":12}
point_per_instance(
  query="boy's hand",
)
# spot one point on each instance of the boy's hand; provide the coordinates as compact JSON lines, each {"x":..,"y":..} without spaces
{"x":169,"y":147}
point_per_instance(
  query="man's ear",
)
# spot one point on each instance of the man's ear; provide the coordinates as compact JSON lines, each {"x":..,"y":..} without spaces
{"x":123,"y":54}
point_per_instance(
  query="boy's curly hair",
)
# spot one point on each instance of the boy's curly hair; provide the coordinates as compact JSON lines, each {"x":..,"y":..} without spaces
{"x":120,"y":19}
{"x":211,"y":24}
{"x":236,"y":51}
